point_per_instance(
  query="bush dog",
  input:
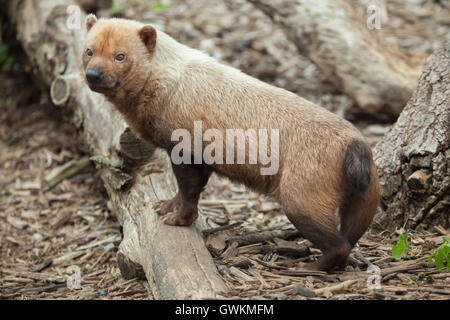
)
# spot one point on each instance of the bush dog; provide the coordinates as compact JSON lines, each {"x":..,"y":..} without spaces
{"x":327,"y":182}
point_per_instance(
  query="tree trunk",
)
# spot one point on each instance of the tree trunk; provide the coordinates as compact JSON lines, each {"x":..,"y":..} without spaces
{"x":174,"y":259}
{"x":413,"y":158}
{"x":377,"y":74}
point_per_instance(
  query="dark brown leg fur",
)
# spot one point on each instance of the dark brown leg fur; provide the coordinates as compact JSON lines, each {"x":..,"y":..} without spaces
{"x":334,"y":246}
{"x":353,"y":224}
{"x":182,"y":210}
{"x":166,"y":206}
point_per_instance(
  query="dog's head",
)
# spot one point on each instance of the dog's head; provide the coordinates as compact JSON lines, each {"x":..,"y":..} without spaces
{"x":114,"y":51}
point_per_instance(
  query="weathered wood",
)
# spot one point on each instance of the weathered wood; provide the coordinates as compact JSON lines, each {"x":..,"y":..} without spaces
{"x":413,"y":158}
{"x":287,"y":248}
{"x":216,"y":244}
{"x":377,"y":74}
{"x":174,"y":259}
{"x":336,"y":288}
{"x":207,"y":232}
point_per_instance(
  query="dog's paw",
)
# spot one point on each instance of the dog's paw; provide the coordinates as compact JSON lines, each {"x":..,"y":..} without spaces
{"x":175,"y":219}
{"x":166,"y":206}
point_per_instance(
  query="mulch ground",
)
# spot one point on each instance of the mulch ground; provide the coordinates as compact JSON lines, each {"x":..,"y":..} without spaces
{"x":46,"y":237}
{"x":45,"y":234}
{"x":260,"y":256}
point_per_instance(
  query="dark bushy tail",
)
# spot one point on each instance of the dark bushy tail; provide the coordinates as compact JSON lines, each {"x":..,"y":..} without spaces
{"x":362,"y":200}
{"x":358,"y":168}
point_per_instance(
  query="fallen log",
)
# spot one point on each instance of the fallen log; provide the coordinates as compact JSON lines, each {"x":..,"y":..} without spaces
{"x":173,"y":259}
{"x":376,"y":73}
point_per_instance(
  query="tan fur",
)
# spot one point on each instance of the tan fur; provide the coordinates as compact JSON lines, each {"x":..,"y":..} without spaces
{"x":172,"y":86}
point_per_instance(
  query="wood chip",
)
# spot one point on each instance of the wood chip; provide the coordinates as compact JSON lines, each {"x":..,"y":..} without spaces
{"x":216,"y":244}
{"x":231,"y":251}
{"x":263,"y":236}
{"x":34,"y":275}
{"x":336,"y":288}
{"x":61,"y":220}
{"x":222,"y":228}
{"x":16,"y":222}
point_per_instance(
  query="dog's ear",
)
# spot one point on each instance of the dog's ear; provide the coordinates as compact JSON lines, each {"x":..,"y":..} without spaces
{"x":91,"y":19}
{"x":148,"y":36}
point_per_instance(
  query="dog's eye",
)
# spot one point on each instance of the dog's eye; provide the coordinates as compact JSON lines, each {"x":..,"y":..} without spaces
{"x":120,"y":57}
{"x":89,"y":52}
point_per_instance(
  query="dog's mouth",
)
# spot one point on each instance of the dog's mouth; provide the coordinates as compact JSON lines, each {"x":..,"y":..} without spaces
{"x":98,"y":88}
{"x":102,"y":87}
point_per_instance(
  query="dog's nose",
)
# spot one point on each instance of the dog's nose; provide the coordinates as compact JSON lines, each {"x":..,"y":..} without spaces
{"x":94,"y":75}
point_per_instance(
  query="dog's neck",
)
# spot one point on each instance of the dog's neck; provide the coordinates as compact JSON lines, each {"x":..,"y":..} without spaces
{"x":144,"y":96}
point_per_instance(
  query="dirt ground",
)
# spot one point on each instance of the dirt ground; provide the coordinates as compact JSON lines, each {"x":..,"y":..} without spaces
{"x":44,"y":235}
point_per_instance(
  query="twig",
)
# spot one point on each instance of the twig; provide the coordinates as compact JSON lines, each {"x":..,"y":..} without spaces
{"x":438,"y":291}
{"x":64,"y":172}
{"x":207,"y":232}
{"x":37,"y":290}
{"x":33,"y":275}
{"x":270,"y":265}
{"x":62,"y":219}
{"x":263,"y":236}
{"x":43,"y":265}
{"x":336,"y":288}
{"x":441,"y":230}
{"x":66,"y":258}
{"x":303,"y":273}
{"x":403,"y":267}
{"x":129,"y":293}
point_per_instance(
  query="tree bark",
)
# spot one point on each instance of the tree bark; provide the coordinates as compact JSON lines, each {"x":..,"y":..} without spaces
{"x":377,"y":74}
{"x":413,"y":158}
{"x":174,"y":260}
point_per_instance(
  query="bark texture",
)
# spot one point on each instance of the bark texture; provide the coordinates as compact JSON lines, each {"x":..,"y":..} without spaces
{"x":413,"y":158}
{"x":174,"y":260}
{"x":377,"y":74}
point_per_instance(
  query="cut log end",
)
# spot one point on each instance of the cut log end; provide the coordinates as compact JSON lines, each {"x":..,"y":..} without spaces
{"x":59,"y":91}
